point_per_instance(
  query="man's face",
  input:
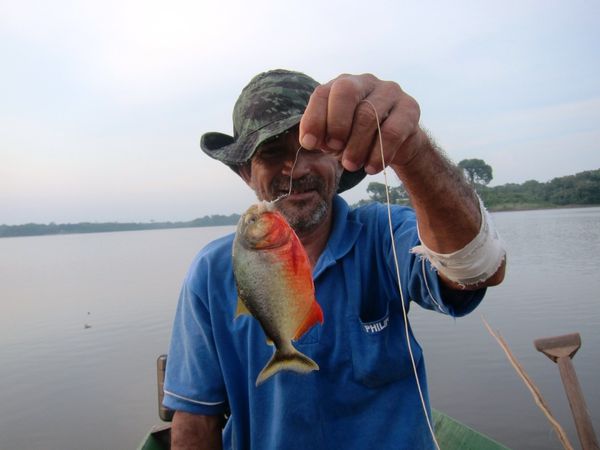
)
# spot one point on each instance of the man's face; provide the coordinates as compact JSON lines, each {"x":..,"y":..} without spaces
{"x":315,"y":179}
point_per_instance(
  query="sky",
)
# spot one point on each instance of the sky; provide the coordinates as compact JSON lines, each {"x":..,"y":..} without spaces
{"x":102,"y":103}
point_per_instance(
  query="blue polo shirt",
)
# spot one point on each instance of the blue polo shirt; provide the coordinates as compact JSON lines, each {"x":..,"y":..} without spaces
{"x":364,"y":395}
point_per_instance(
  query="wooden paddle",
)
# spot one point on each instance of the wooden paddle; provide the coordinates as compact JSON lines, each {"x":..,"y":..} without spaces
{"x":561,"y":349}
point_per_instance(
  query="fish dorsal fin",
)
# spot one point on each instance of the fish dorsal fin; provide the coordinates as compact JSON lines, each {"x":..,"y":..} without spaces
{"x":315,"y":315}
{"x":241,"y":309}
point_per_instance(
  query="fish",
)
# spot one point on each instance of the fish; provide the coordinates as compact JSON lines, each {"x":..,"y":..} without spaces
{"x":274,"y":280}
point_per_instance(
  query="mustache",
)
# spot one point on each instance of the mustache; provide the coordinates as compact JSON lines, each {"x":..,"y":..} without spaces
{"x":305,"y":183}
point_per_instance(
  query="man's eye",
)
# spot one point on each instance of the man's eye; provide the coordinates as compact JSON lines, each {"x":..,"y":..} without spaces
{"x":269,"y":154}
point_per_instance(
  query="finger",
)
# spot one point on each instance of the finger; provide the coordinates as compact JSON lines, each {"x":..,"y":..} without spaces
{"x":398,"y":129}
{"x":313,"y":125}
{"x":346,"y":93}
{"x":385,"y":147}
{"x":359,"y":149}
{"x":359,"y":145}
{"x":389,"y":139}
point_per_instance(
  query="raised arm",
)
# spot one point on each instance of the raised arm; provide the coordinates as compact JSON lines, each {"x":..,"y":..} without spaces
{"x":339,"y":119}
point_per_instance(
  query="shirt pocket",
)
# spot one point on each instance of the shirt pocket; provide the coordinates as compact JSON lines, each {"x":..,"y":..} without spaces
{"x":380,"y":353}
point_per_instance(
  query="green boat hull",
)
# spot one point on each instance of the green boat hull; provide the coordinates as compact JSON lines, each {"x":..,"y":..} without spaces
{"x":453,"y":435}
{"x":450,"y":434}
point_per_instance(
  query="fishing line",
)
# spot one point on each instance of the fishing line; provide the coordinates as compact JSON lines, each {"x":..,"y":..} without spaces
{"x":291,"y":178}
{"x":404,"y":314}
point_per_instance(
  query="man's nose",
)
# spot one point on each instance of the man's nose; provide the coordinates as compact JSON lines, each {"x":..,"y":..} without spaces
{"x":296,"y":164}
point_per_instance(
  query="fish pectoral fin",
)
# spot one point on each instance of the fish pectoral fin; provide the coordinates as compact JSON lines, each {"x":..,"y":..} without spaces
{"x":315,"y":315}
{"x":241,"y":309}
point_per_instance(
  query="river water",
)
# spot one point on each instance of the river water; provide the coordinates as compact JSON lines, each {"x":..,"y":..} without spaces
{"x":85,"y":316}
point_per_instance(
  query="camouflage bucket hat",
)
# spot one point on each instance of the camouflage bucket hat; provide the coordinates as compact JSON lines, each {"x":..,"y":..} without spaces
{"x":272,"y":103}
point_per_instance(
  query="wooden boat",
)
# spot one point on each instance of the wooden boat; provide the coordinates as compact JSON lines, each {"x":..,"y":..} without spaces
{"x":451,"y":435}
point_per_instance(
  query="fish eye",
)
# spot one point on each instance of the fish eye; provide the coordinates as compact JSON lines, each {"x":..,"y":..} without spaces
{"x":251,"y":220}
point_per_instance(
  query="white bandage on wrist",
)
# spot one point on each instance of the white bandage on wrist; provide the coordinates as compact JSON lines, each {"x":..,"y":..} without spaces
{"x":474,"y":263}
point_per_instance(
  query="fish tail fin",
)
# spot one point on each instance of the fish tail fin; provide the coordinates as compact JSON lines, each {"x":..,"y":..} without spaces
{"x":288,"y":360}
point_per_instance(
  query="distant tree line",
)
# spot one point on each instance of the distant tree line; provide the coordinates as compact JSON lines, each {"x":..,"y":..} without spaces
{"x":36,"y":229}
{"x":580,"y":189}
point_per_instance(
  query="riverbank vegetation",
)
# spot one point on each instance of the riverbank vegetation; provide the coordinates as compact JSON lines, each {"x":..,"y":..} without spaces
{"x":581,"y":189}
{"x":35,"y":229}
{"x":574,"y":190}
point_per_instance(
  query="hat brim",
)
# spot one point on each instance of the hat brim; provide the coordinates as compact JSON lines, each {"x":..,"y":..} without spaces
{"x":350,"y":179}
{"x":226,"y":149}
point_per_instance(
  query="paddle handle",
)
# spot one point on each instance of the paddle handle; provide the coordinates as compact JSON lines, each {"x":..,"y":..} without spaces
{"x":581,"y":415}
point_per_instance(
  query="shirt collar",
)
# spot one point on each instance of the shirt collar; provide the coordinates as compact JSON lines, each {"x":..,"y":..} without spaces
{"x":342,"y":237}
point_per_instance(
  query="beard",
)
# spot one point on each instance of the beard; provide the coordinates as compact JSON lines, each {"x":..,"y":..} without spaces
{"x":305,"y":215}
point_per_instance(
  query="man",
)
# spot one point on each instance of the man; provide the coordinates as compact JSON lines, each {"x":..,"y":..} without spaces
{"x":365,"y":394}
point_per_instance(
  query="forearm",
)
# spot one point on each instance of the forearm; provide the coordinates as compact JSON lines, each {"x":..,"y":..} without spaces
{"x":196,"y":432}
{"x":447,"y":207}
